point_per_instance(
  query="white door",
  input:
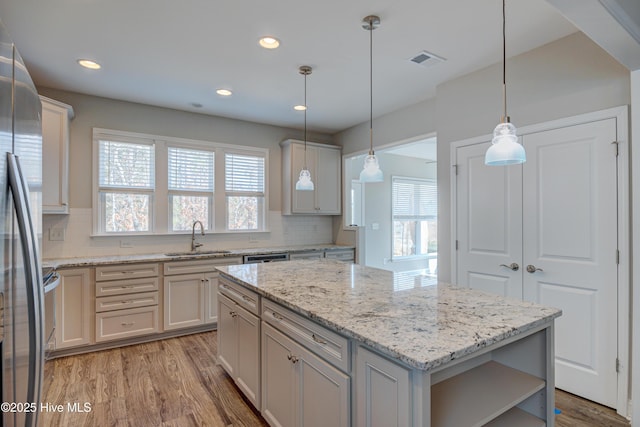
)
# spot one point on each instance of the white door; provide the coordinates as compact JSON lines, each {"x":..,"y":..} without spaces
{"x":489,"y":224}
{"x":565,"y":224}
{"x":570,"y":233}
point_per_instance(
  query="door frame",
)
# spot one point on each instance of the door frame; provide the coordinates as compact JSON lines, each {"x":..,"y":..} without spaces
{"x":621,"y":114}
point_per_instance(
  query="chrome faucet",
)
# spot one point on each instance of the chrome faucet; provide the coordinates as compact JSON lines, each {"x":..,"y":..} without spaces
{"x":195,"y":245}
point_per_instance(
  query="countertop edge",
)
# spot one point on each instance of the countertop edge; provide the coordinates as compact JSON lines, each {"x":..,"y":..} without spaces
{"x":389,"y":352}
{"x":61,"y":263}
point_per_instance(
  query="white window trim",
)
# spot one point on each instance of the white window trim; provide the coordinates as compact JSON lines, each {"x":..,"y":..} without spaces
{"x":160,"y":217}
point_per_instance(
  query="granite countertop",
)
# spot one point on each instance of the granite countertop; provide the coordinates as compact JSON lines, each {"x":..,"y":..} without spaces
{"x":420,"y":322}
{"x":180,"y":256}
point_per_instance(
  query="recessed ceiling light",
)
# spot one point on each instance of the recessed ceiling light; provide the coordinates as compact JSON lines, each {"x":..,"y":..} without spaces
{"x":299,"y":108}
{"x":87,"y":63}
{"x":224,"y":92}
{"x":269,"y":42}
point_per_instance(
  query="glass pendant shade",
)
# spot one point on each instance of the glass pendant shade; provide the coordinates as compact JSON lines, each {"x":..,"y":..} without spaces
{"x":304,"y":181}
{"x":505,"y":149}
{"x":371,"y":171}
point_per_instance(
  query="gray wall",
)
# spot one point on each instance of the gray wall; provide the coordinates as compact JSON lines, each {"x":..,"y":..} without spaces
{"x":564,"y":78}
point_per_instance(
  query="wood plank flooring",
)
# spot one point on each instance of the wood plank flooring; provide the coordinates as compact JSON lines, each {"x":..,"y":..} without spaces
{"x":176,"y":382}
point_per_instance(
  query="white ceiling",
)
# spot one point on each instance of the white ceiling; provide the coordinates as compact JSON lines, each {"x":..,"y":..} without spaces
{"x":176,"y":53}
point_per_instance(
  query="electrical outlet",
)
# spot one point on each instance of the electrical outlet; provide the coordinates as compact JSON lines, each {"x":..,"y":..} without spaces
{"x":56,"y":234}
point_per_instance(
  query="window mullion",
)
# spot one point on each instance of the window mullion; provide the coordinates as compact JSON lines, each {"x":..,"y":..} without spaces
{"x":219,"y":196}
{"x":161,"y":201}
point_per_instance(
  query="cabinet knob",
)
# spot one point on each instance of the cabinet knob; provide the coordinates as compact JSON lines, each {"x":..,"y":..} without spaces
{"x":293,"y":358}
{"x":233,"y":313}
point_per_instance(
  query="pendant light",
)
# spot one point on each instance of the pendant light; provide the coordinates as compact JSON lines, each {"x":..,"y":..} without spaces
{"x":505,"y":149}
{"x":371,"y":171}
{"x":304,"y":181}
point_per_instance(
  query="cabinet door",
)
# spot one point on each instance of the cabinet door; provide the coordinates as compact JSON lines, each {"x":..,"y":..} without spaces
{"x":328,"y":182}
{"x":303,"y":201}
{"x":211,"y":297}
{"x":184,"y":302}
{"x":55,"y":151}
{"x":382,"y":391}
{"x":227,"y":337}
{"x":323,"y":393}
{"x":74,"y":309}
{"x":248,"y":366}
{"x":278,"y":378}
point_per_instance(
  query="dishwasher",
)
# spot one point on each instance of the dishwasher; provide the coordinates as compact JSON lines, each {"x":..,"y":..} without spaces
{"x":260,"y":258}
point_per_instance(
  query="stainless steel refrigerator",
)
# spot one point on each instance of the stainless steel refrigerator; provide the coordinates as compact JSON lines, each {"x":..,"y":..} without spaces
{"x":20,"y":228}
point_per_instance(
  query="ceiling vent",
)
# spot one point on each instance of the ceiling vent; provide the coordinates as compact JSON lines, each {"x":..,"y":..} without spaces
{"x":426,"y":59}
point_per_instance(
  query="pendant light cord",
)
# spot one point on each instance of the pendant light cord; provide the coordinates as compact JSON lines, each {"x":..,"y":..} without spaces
{"x":505,"y":118}
{"x":371,"y":87}
{"x":305,"y":121}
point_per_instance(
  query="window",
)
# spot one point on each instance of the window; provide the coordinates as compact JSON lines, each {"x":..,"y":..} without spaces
{"x":126,"y":186}
{"x":244,"y":185}
{"x":145,"y":184}
{"x":415,"y":209}
{"x":190,"y":187}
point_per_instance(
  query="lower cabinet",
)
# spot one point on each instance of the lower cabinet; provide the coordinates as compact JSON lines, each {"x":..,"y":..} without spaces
{"x":383,"y":391}
{"x":239,"y":346}
{"x":298,"y":387}
{"x":73,"y":308}
{"x":190,"y":292}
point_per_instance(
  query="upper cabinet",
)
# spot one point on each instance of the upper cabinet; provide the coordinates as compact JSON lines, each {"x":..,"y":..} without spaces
{"x":324,"y":164}
{"x":55,"y":154}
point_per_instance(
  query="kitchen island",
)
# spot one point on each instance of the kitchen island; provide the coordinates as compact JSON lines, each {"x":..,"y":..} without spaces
{"x":328,"y":343}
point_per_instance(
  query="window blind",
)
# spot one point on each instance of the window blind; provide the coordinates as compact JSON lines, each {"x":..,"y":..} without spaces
{"x":414,"y":199}
{"x":190,"y":169}
{"x":126,"y":165}
{"x":244,"y":174}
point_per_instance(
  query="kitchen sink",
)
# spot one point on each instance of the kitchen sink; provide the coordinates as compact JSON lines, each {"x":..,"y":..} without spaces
{"x":190,"y":253}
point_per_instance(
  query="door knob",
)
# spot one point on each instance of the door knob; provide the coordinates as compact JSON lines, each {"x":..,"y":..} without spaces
{"x":513,"y":266}
{"x":533,"y":268}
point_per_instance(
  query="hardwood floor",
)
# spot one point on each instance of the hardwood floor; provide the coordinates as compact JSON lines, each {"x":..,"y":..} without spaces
{"x":176,"y":382}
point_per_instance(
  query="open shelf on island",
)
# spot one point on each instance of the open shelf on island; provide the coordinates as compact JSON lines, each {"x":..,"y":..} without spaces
{"x":486,"y":393}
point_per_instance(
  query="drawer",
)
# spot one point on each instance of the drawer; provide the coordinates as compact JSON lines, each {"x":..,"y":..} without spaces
{"x":132,"y":322}
{"x":198,"y":266}
{"x":120,"y":302}
{"x":327,"y":344}
{"x":342,"y":255}
{"x":245,"y":298}
{"x":126,"y":271}
{"x":306,"y":255}
{"x":122,"y":287}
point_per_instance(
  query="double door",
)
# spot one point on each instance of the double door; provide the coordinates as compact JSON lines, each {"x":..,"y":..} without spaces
{"x":547,"y":232}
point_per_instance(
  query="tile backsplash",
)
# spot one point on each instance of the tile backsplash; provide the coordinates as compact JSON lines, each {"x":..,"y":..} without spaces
{"x":67,"y":236}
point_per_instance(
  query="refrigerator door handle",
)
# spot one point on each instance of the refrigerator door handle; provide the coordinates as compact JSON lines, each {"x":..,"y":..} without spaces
{"x":33,"y":274}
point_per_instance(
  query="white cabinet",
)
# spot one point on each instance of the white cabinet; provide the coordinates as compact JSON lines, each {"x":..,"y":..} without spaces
{"x":126,"y":303}
{"x":239,"y":338}
{"x":55,"y":154}
{"x":324,"y":164}
{"x":383,"y":391}
{"x":190,"y":292}
{"x":73,"y":308}
{"x":299,"y":388}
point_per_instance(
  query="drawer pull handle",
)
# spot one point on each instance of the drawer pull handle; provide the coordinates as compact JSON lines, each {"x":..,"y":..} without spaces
{"x":128,"y":272}
{"x":126,"y":287}
{"x":318,"y":340}
{"x":246,"y":298}
{"x":127,"y":324}
{"x":277,"y":316}
{"x":293,"y":358}
{"x":127,"y":302}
